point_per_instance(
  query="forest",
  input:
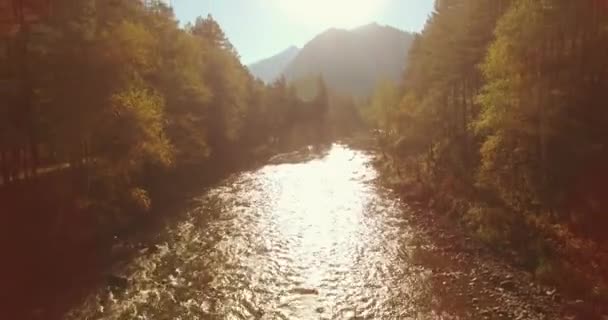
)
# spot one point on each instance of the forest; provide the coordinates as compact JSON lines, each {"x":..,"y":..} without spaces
{"x":122,"y":100}
{"x":501,"y":121}
{"x":113,"y":111}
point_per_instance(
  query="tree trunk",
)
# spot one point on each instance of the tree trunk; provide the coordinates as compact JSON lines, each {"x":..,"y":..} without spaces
{"x":465,"y":125}
{"x":4,"y":167}
{"x":23,"y":170}
{"x":541,"y":89}
{"x":10,"y":165}
{"x":26,"y":87}
{"x":25,"y":160}
{"x":34,"y":161}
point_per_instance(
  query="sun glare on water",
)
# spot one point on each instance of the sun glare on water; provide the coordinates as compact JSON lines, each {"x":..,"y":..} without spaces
{"x":335,"y":13}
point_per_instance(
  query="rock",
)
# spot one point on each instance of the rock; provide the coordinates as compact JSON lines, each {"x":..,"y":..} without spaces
{"x":508,"y":285}
{"x":117,"y":282}
{"x":305,"y":291}
{"x":320,"y":310}
{"x":558,"y":298}
{"x":538,"y":309}
{"x":486,"y":312}
{"x":581,"y":309}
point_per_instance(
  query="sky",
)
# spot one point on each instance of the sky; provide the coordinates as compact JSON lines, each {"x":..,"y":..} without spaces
{"x":262,"y":28}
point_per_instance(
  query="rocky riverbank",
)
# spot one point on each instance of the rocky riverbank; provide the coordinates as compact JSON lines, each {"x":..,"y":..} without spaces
{"x":473,"y":276}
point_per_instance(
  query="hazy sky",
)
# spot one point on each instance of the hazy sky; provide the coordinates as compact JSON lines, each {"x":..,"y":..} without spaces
{"x":262,"y":28}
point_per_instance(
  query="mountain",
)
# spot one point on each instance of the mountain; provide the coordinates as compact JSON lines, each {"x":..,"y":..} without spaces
{"x":268,"y":70}
{"x":353,"y":61}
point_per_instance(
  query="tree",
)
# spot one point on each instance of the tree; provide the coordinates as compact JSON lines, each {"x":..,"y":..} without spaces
{"x":541,"y":102}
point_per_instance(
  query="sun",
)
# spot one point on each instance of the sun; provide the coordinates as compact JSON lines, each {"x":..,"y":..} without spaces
{"x":335,"y":13}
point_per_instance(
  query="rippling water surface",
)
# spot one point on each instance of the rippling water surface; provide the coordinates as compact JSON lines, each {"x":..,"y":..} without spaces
{"x":315,"y":240}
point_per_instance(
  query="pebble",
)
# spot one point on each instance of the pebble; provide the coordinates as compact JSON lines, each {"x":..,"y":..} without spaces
{"x":508,"y":285}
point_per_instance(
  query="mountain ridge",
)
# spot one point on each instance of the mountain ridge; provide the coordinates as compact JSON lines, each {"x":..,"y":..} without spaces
{"x":270,"y":69}
{"x":352,"y":61}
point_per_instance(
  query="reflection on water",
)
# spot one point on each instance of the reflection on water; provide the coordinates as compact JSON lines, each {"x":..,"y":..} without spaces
{"x":316,"y":240}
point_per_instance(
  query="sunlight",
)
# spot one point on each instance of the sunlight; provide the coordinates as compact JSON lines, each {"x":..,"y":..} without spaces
{"x":335,"y":13}
{"x":328,"y":219}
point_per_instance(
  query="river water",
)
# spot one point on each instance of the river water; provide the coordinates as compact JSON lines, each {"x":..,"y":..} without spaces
{"x":314,"y":240}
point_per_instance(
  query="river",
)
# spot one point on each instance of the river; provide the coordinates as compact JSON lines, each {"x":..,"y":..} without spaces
{"x":319,"y":239}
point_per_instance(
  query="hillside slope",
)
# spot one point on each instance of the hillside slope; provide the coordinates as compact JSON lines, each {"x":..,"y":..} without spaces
{"x":268,"y":70}
{"x":353,"y":61}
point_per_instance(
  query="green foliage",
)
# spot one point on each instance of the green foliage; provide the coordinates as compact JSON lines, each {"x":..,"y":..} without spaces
{"x":429,"y":118}
{"x":531,"y":113}
{"x":381,"y":113}
{"x":491,"y":225}
{"x":136,"y":129}
{"x":344,"y":116}
{"x":502,"y":105}
{"x":120,"y":94}
{"x":140,"y":199}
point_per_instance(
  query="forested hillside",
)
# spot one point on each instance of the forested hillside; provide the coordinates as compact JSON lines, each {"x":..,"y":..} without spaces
{"x":119,"y":97}
{"x":146,"y":172}
{"x":111,"y":112}
{"x":502,"y":112}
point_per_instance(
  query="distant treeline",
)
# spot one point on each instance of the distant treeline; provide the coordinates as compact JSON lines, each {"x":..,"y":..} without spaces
{"x":502,"y":112}
{"x":119,"y":94}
